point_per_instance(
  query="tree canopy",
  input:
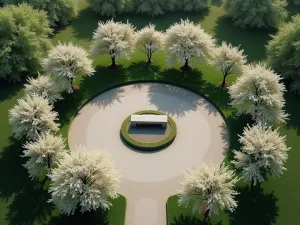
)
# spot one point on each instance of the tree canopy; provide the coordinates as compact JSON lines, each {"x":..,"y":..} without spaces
{"x":43,"y":154}
{"x":256,"y":13}
{"x":108,"y":8}
{"x":85,"y":179}
{"x":68,"y":60}
{"x":23,"y":41}
{"x":210,"y":187}
{"x":228,"y":60}
{"x":259,"y":93}
{"x":44,"y":86}
{"x":114,"y":38}
{"x":283,"y":52}
{"x":192,"y":5}
{"x":31,"y":117}
{"x":58,"y":11}
{"x":263,"y":151}
{"x":185,"y":41}
{"x":149,"y":40}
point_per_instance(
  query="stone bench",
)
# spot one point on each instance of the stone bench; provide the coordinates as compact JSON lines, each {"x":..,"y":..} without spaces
{"x":149,"y":119}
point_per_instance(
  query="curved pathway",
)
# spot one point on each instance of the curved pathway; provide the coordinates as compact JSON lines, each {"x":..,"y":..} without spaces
{"x":148,"y":179}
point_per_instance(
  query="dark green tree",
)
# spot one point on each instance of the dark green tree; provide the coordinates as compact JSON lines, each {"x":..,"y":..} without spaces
{"x":23,"y":41}
{"x":283,"y":52}
{"x":58,"y":11}
{"x":256,"y":13}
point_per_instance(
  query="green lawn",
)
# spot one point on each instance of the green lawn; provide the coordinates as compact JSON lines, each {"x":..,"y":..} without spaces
{"x":23,"y":201}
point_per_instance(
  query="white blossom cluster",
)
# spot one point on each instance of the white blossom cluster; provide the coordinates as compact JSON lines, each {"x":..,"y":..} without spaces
{"x":228,"y":59}
{"x":149,"y":40}
{"x":263,"y":151}
{"x":209,"y":186}
{"x":114,"y":38}
{"x":31,"y":116}
{"x":44,"y":153}
{"x":186,"y":41}
{"x":259,"y":92}
{"x":85,"y":179}
{"x":45,"y":86}
{"x":68,"y":60}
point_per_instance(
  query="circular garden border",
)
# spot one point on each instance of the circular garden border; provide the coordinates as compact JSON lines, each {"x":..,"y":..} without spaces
{"x":148,"y":146}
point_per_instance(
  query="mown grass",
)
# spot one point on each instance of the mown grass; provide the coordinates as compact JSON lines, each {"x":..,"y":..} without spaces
{"x":23,"y":201}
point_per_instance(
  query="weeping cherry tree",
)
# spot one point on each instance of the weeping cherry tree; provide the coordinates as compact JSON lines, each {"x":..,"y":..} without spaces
{"x":114,"y":38}
{"x":68,"y":60}
{"x":228,"y":60}
{"x":263,"y":152}
{"x":43,"y":153}
{"x":259,"y":93}
{"x":185,"y":41}
{"x":45,"y":86}
{"x":149,"y":41}
{"x":31,"y":117}
{"x":84,"y":179}
{"x":208,"y":188}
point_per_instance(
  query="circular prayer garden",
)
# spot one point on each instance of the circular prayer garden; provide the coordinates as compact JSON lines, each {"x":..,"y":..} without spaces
{"x":148,"y":137}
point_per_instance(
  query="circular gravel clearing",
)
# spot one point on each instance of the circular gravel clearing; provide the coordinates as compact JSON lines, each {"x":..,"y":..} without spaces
{"x":202,"y":134}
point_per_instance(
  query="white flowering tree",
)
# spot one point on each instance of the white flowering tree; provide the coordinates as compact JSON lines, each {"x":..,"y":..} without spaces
{"x":263,"y":151}
{"x":228,"y":60}
{"x":149,"y":41}
{"x":68,"y":60}
{"x":32,"y":116}
{"x":44,"y":153}
{"x":258,"y":92}
{"x":84,"y":179}
{"x":114,"y":38}
{"x":45,"y":86}
{"x":208,"y":188}
{"x":185,"y":41}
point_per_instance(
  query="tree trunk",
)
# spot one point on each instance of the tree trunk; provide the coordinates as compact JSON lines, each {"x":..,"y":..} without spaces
{"x":186,"y":64}
{"x":206,"y":215}
{"x":71,"y":79}
{"x":149,"y":60}
{"x":149,"y":57}
{"x":252,"y":185}
{"x":224,"y":80}
{"x":113,"y":61}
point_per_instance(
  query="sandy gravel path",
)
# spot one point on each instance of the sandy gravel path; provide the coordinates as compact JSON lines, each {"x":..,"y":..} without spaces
{"x":148,"y":179}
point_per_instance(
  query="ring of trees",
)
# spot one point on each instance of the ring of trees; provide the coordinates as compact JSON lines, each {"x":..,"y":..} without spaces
{"x":148,"y":146}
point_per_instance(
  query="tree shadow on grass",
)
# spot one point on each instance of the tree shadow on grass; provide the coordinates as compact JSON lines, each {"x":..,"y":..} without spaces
{"x":28,"y":201}
{"x":254,"y":207}
{"x":98,"y":217}
{"x":292,"y":107}
{"x":30,"y":205}
{"x":8,"y":90}
{"x":85,"y":24}
{"x":142,"y":71}
{"x":236,"y":126}
{"x":15,"y":177}
{"x":253,"y":41}
{"x":191,"y":220}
